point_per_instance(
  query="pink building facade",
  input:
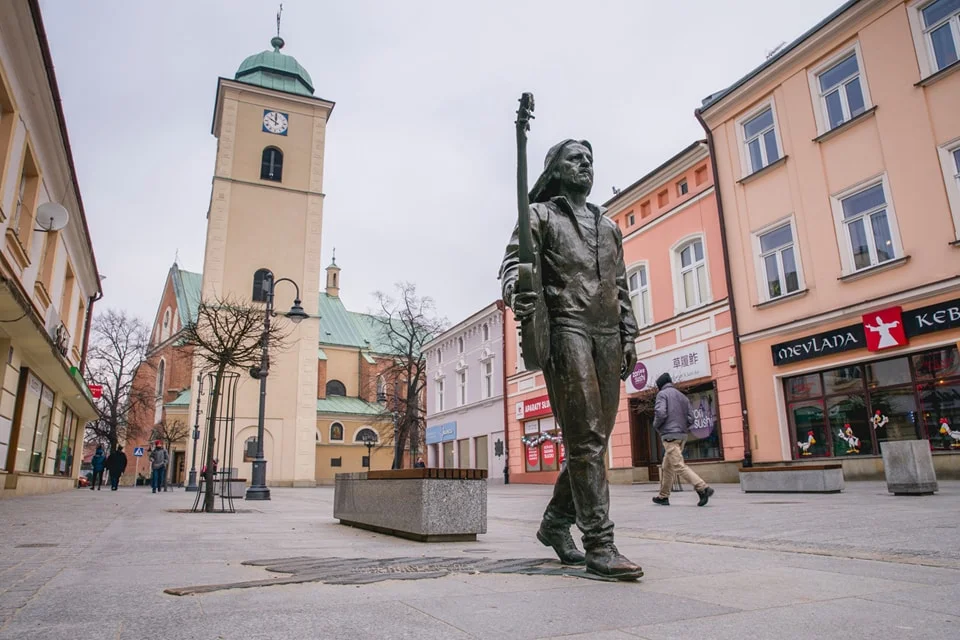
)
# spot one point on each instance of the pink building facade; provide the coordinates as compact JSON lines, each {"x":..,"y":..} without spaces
{"x":839,"y":174}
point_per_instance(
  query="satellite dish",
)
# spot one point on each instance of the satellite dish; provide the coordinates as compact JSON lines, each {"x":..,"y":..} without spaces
{"x":52,"y":217}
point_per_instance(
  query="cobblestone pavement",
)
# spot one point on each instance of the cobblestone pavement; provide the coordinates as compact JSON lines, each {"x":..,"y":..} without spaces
{"x":861,"y":564}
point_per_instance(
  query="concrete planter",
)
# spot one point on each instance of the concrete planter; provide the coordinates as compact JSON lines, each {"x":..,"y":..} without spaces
{"x":429,"y":505}
{"x":819,"y":478}
{"x":908,"y":467}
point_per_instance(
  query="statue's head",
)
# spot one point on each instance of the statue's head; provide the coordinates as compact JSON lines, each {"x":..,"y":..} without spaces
{"x":568,"y":163}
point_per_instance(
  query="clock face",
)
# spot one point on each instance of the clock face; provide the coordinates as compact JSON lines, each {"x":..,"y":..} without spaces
{"x":275,"y":122}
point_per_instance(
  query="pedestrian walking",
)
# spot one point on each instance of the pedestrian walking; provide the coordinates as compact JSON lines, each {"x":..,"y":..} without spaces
{"x":116,"y":465}
{"x":158,"y":465}
{"x":99,"y":462}
{"x":672,"y":418}
{"x":419,"y":464}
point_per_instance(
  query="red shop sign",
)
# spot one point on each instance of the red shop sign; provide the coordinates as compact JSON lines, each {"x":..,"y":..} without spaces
{"x":563,"y":453}
{"x":536,"y":407}
{"x":533,"y":457}
{"x":549,"y":453}
{"x":884,"y":329}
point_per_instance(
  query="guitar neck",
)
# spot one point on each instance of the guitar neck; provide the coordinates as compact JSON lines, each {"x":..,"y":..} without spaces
{"x":523,"y":201}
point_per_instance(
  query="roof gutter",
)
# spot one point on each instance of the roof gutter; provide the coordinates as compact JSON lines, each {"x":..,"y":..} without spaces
{"x":747,"y":452}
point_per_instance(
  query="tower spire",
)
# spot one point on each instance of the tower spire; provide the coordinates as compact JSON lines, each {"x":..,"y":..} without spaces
{"x":277,"y":42}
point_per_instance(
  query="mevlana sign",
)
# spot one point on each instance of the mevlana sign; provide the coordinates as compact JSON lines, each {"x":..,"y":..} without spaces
{"x":821,"y":344}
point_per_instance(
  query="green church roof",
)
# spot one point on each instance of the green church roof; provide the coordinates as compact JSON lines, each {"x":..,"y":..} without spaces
{"x":182,"y":400}
{"x":341,"y":327}
{"x":186,"y":286}
{"x":274,"y":70}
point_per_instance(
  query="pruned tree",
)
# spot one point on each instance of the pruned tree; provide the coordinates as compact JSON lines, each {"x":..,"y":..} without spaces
{"x":118,"y":347}
{"x":168,"y":433}
{"x":407,"y":322}
{"x":228,"y":335}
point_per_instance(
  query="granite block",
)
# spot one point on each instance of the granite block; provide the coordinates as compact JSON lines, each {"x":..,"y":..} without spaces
{"x":792,"y":481}
{"x":908,"y":467}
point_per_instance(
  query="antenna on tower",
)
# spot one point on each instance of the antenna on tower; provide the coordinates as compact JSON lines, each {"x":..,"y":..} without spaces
{"x":334,"y":255}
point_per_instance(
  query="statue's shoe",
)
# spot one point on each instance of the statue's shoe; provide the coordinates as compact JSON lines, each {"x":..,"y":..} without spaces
{"x":608,"y":562}
{"x":562,"y":543}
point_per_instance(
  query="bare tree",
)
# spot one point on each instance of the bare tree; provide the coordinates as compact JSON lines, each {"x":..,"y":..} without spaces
{"x":228,"y":335}
{"x":169,"y":433}
{"x":407,"y":323}
{"x":118,"y":347}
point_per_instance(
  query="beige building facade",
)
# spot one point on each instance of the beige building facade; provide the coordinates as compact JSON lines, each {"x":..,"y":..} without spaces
{"x":48,"y":274}
{"x":838,"y":164}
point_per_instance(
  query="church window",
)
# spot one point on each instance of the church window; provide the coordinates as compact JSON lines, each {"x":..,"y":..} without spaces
{"x":271,"y":167}
{"x":336,"y":388}
{"x":336,"y":432}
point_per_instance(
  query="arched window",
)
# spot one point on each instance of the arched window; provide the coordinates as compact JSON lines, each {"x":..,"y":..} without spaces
{"x":640,"y":294}
{"x":336,"y":388}
{"x":381,"y":389}
{"x":692,"y":267}
{"x":486,"y":332}
{"x":336,"y":432}
{"x":366,"y":434}
{"x":165,"y":327}
{"x":161,"y":372}
{"x":271,"y":165}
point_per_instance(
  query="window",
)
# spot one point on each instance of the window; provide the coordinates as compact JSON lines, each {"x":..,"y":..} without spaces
{"x":867,"y":227}
{"x":463,"y":453}
{"x":940,"y":22}
{"x":760,"y":141}
{"x":950,"y":161}
{"x":778,"y":262}
{"x":336,"y":432}
{"x":25,"y":204}
{"x":462,"y":388}
{"x":336,"y":388}
{"x":336,"y":462}
{"x":542,"y":445}
{"x":250,"y":449}
{"x":486,"y":333}
{"x":161,"y":373}
{"x":631,"y":220}
{"x":662,"y":198}
{"x":48,"y":258}
{"x":487,"y":379}
{"x":37,"y":408}
{"x":365,"y":435}
{"x":841,"y":91}
{"x":365,"y":461}
{"x":521,"y":366}
{"x":271,"y":166}
{"x":640,"y":295}
{"x":68,"y":440}
{"x":381,"y":389}
{"x":440,"y":395}
{"x":460,"y":344}
{"x":439,"y":357}
{"x":693,"y":275}
{"x":682,"y":188}
{"x":645,"y":209}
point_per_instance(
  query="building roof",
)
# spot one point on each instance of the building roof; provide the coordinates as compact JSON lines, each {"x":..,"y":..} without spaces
{"x":342,"y":405}
{"x":186,"y":287}
{"x":715,"y":98}
{"x":340,"y":327}
{"x":274,"y":70}
{"x":182,"y":400}
{"x":626,"y":192}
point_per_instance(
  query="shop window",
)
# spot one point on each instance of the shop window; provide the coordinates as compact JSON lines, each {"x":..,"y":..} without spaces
{"x":448,"y":455}
{"x":850,"y":431}
{"x":37,"y":399}
{"x":843,"y":380}
{"x":68,"y":440}
{"x":888,"y":373}
{"x":463,"y":454}
{"x":895,"y":414}
{"x":942,"y":363}
{"x":542,"y":445}
{"x":703,"y":442}
{"x":802,"y":387}
{"x":806,"y":423}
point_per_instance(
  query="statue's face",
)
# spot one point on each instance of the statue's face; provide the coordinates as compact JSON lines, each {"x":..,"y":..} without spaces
{"x":575,"y":166}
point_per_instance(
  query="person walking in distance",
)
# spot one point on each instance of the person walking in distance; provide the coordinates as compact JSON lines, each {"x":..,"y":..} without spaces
{"x":158,"y":464}
{"x":116,"y":465}
{"x":99,"y":462}
{"x":672,"y":418}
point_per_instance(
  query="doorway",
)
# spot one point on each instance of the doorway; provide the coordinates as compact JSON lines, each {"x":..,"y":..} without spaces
{"x":644,"y":444}
{"x":179,"y":459}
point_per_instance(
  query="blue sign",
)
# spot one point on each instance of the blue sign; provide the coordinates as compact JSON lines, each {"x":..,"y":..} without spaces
{"x":138,"y":452}
{"x":441,"y":433}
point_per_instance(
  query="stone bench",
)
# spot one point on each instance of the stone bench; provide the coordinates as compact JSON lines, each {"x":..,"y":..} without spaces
{"x":428,"y":505}
{"x":810,"y":478}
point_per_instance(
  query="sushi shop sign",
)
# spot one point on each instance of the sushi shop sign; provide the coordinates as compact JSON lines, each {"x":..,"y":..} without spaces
{"x":877,"y":331}
{"x":686,"y":363}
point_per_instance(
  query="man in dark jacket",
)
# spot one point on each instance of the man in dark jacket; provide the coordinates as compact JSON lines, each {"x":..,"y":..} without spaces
{"x":592,"y":333}
{"x":116,"y":465}
{"x":98,"y":462}
{"x":672,"y":418}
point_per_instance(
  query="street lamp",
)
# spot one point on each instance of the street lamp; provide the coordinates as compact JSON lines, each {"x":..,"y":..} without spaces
{"x":369,"y":439}
{"x":192,"y":480}
{"x":258,"y":485}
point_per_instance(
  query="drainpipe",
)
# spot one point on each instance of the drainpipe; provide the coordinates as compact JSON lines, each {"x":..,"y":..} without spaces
{"x":503,"y":390}
{"x":86,"y":330}
{"x":747,"y":452}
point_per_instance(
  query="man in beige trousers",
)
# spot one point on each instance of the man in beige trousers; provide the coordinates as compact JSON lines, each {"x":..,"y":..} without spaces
{"x":672,"y":418}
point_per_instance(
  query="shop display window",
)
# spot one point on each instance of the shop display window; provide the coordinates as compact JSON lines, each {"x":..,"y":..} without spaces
{"x":806,"y":421}
{"x":850,"y":431}
{"x":703,"y":443}
{"x":543,"y":448}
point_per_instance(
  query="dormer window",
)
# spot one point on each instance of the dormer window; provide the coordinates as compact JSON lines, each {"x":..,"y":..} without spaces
{"x":271,"y":167}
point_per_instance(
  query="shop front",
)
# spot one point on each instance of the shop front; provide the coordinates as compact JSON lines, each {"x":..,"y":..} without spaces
{"x":440,"y":440}
{"x":894,"y":375}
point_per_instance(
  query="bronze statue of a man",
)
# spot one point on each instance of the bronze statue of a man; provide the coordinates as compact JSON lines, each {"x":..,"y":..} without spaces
{"x":591,"y":347}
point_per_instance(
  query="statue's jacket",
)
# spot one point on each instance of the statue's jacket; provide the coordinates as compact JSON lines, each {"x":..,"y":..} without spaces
{"x":581,"y":269}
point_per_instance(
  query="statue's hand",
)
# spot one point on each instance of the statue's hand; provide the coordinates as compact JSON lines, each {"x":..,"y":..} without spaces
{"x":629,"y":360}
{"x":524,"y":304}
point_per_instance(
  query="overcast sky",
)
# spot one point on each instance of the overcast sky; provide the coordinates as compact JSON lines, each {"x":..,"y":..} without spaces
{"x":420,"y":158}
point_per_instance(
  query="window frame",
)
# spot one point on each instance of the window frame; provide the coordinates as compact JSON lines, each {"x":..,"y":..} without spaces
{"x":277,"y":166}
{"x":841,"y":226}
{"x":951,"y":176}
{"x":746,"y":164}
{"x":358,"y":440}
{"x":759,"y":254}
{"x":923,"y":44}
{"x":439,"y":394}
{"x":486,"y":380}
{"x":820,"y":111}
{"x":636,"y":267}
{"x":679,"y":299}
{"x":485,"y":332}
{"x":460,"y":344}
{"x":463,"y":381}
{"x":683,"y":188}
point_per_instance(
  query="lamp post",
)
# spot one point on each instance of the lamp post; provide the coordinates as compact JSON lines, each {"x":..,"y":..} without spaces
{"x":192,"y":479}
{"x":258,"y":485}
{"x":369,"y":441}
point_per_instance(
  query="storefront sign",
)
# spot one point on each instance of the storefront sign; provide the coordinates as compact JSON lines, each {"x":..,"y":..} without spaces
{"x":533,"y":457}
{"x":563,"y":453}
{"x":549,"y":453}
{"x":441,"y":433}
{"x":535,"y":407}
{"x":878,"y":330}
{"x":686,"y":363}
{"x":96,"y":391}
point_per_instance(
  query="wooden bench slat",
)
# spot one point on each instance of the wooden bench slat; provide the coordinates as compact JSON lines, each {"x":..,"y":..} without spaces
{"x":804,"y":467}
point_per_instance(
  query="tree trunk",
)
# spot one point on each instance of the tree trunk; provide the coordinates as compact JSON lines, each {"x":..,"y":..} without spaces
{"x":211,"y":439}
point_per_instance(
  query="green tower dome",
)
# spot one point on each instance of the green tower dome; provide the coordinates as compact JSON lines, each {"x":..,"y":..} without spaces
{"x":274,"y":70}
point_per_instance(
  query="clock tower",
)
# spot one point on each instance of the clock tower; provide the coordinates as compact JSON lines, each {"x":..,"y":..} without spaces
{"x":266,"y":211}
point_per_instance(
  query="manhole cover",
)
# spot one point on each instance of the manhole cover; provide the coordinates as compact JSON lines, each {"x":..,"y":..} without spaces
{"x":356,"y":571}
{"x":37,"y":545}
